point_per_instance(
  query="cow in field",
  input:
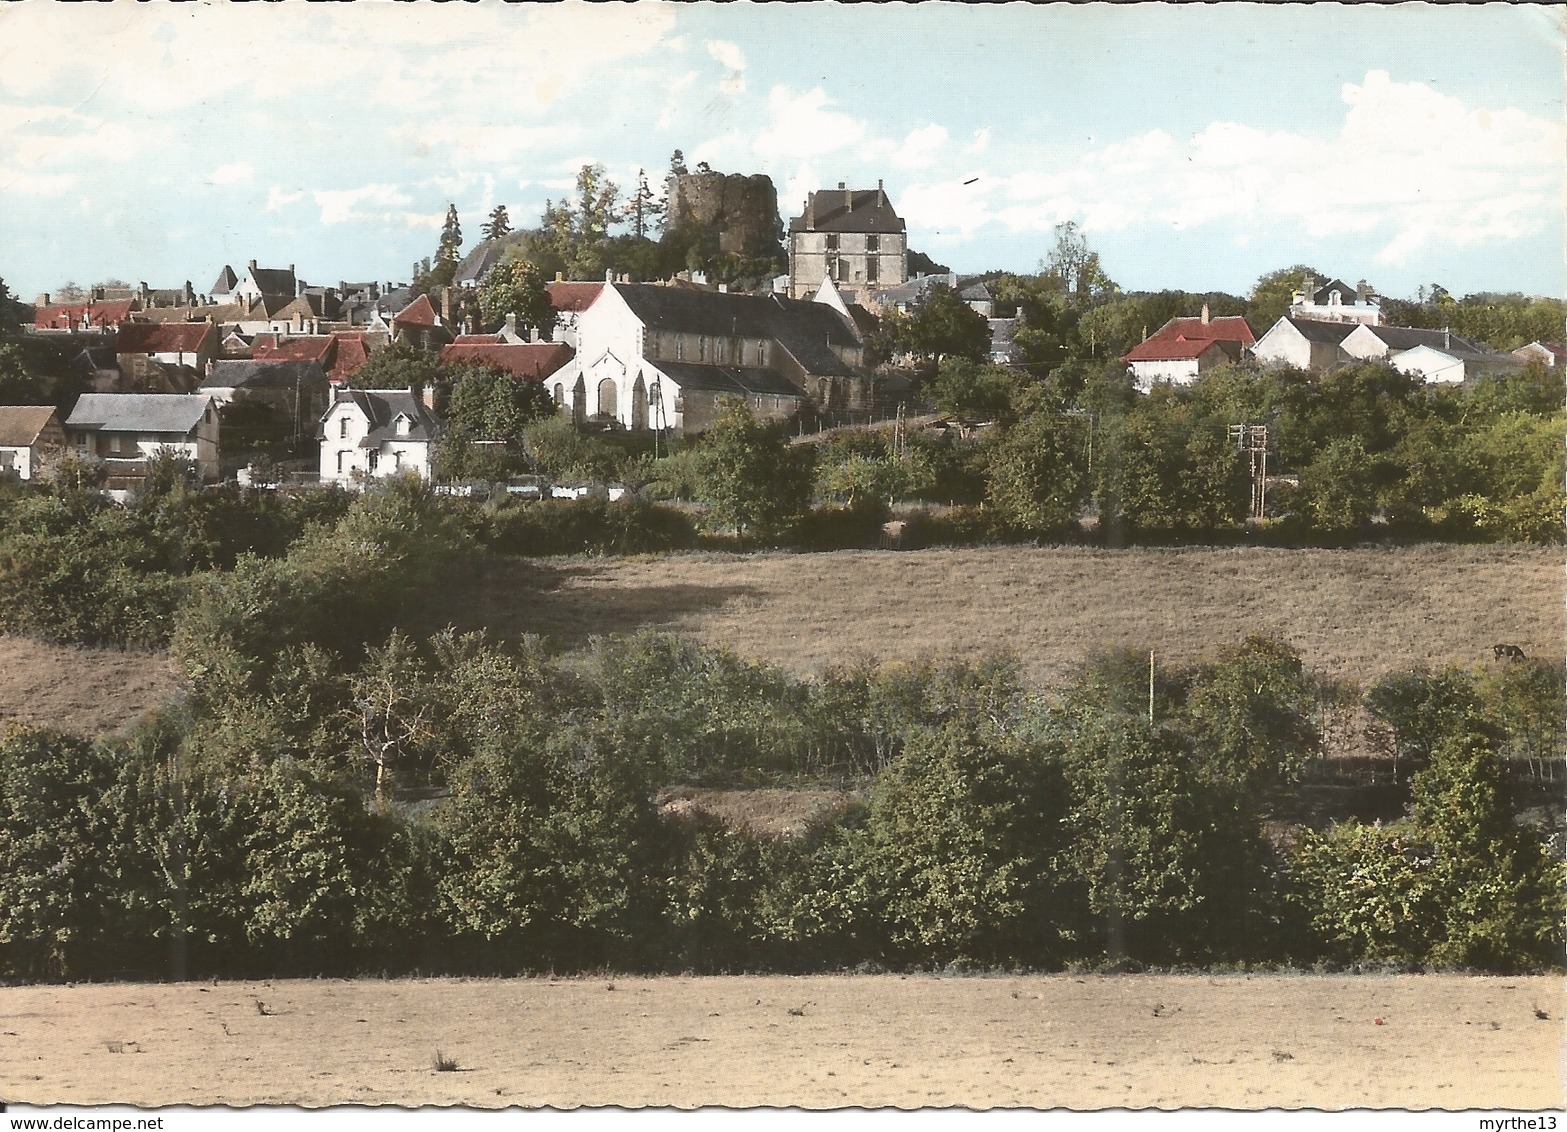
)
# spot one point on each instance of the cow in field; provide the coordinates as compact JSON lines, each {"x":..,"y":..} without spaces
{"x":892,"y":534}
{"x":1507,"y":652}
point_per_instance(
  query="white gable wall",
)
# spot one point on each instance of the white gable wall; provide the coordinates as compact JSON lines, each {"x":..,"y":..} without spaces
{"x":1283,"y":345}
{"x":1430,"y":365}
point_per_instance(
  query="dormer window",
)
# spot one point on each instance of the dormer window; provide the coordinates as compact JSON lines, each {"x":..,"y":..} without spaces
{"x":401,"y":425}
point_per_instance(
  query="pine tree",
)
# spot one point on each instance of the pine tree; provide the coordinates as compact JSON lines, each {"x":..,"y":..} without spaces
{"x":643,"y":209}
{"x":498,"y":225}
{"x":677,"y":164}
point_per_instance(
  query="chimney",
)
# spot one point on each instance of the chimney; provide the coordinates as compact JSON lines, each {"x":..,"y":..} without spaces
{"x":291,"y":269}
{"x":533,"y":334}
{"x":1447,"y":338}
{"x":723,"y":288}
{"x":252,"y":265}
{"x":841,"y":185}
{"x":560,"y":277}
{"x":509,"y":328}
{"x":1205,"y":319}
{"x":1362,"y":292}
{"x":609,"y":275}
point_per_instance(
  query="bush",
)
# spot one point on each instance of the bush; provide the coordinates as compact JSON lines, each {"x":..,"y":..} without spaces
{"x":838,"y":528}
{"x":592,"y":525}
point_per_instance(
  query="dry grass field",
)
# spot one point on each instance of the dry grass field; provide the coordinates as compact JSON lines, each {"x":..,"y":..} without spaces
{"x":1079,"y":1042}
{"x":1352,"y":613}
{"x":83,"y":691}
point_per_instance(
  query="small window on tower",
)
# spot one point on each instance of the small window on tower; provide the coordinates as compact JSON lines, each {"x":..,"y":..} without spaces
{"x":872,"y":242}
{"x":832,"y":241}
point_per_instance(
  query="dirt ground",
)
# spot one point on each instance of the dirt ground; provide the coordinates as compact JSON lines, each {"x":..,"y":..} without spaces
{"x":1079,"y":1042}
{"x":1353,"y":613}
{"x":82,"y":691}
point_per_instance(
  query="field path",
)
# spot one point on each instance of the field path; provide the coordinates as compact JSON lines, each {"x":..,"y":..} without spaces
{"x":1080,"y":1042}
{"x":1352,"y":613}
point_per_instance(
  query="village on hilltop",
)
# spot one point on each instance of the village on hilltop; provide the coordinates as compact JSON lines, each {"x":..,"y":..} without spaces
{"x":263,"y":361}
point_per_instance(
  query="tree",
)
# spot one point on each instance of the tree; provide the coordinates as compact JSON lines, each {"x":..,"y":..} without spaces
{"x":492,"y":408}
{"x":942,"y":324}
{"x":677,"y":164}
{"x":1077,"y":266}
{"x":498,"y":225}
{"x":10,"y":322}
{"x":596,"y":211}
{"x":444,"y":269}
{"x":515,"y":287}
{"x":642,"y":209}
{"x":1272,"y":294}
{"x":1038,"y":471}
{"x":1338,"y":489}
{"x":397,"y":366}
{"x":751,"y":478}
{"x":70,"y":292}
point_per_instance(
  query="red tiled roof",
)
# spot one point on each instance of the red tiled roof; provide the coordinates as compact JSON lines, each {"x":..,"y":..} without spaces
{"x":300,"y":348}
{"x":353,"y":351}
{"x":162,"y":337}
{"x":417,"y":313}
{"x":573,"y":297}
{"x":532,"y":360}
{"x":68,"y":316}
{"x":1174,"y":349}
{"x":1228,"y":328}
{"x":476,"y":340}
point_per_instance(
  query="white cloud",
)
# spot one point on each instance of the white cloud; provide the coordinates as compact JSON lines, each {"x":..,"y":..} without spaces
{"x":981,"y":140}
{"x":729,"y":54}
{"x":802,"y":126}
{"x":674,"y":98}
{"x":1408,"y":168}
{"x":277,"y":199}
{"x":232,"y":173}
{"x":367,"y":203}
{"x":922,"y":146}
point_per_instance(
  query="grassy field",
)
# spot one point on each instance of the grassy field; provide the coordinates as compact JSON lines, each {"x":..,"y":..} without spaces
{"x":1352,"y":613}
{"x":831,"y":1041}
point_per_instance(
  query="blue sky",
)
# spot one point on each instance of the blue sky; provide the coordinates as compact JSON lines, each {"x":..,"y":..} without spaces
{"x":1197,"y":146}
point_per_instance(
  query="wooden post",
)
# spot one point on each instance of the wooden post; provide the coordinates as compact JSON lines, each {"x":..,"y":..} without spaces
{"x":1150,"y":687}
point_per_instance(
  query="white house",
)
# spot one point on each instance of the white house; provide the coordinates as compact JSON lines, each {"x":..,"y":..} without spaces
{"x":1548,"y":354}
{"x":367,"y":433}
{"x":28,"y":433}
{"x":1337,"y":301}
{"x":1304,"y":344}
{"x":655,"y":357}
{"x":126,"y":429}
{"x":1440,"y":356}
{"x":1186,"y":347}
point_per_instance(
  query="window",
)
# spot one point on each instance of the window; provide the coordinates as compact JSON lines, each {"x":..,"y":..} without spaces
{"x":872,"y":266}
{"x":832,"y":241}
{"x":872,"y":242}
{"x":342,"y":428}
{"x":342,"y":462}
{"x":680,"y":347}
{"x":560,"y":394}
{"x":372,"y":460}
{"x":402,"y":426}
{"x":701,"y":347}
{"x":720,"y":350}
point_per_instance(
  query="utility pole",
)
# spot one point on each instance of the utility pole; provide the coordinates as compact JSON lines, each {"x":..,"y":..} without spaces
{"x":1253,"y":439}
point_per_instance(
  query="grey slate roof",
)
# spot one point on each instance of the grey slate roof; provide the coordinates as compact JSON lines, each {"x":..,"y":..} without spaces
{"x":275,"y":281}
{"x":138,"y":412}
{"x":263,"y":374}
{"x":738,"y":380}
{"x":804,"y":328}
{"x":482,"y":257}
{"x":383,"y":406}
{"x":1408,"y":337}
{"x":1316,"y":330}
{"x":829,"y":210}
{"x":226,"y":283}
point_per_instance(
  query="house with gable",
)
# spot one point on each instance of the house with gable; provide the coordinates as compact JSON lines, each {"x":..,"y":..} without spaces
{"x":1551,"y":355}
{"x":418,"y":325}
{"x":662,"y":357}
{"x":1336,"y":301}
{"x":1185,"y":348}
{"x":1305,"y":344}
{"x":371,"y":433}
{"x":125,"y":430}
{"x":853,"y":237}
{"x":165,"y":357}
{"x":29,"y":434}
{"x":1436,"y":356}
{"x":261,"y":283}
